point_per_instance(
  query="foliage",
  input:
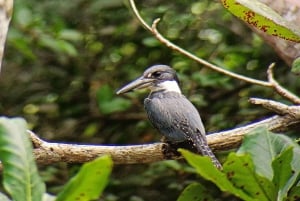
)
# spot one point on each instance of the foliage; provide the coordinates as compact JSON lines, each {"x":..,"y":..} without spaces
{"x":266,"y":167}
{"x":108,"y":104}
{"x":263,"y":17}
{"x":21,"y":179}
{"x":296,"y":66}
{"x":63,"y":62}
{"x":195,"y":192}
{"x":89,"y":183}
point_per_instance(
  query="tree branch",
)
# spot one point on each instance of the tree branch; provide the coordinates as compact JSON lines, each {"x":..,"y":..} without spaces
{"x":272,"y":83}
{"x":277,"y":107}
{"x":48,"y":152}
{"x":6,"y":7}
{"x":172,"y":46}
{"x":279,"y":89}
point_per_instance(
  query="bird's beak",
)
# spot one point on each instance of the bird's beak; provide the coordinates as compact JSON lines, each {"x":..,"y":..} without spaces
{"x":139,"y":83}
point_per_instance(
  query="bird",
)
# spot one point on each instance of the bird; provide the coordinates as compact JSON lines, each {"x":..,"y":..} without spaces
{"x":169,"y":111}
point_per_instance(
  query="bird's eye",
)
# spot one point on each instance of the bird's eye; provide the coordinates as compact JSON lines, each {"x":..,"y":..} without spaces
{"x":156,"y":74}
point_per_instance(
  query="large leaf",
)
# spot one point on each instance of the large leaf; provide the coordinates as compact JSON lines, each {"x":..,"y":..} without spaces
{"x":195,"y":192}
{"x":263,"y":17}
{"x":283,"y":173}
{"x":207,"y":170}
{"x":20,"y":176}
{"x":238,"y":177}
{"x":264,"y":147}
{"x":275,"y":156}
{"x":241,"y":172}
{"x":294,"y":194}
{"x":89,"y":183}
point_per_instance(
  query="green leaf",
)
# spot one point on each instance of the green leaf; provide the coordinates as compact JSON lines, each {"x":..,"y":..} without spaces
{"x":20,"y":176}
{"x":89,"y":183}
{"x":294,"y":194}
{"x":241,"y":172}
{"x":105,"y":93}
{"x":275,"y":156}
{"x":207,"y":170}
{"x":151,"y":42}
{"x":262,"y":17}
{"x":108,"y":103}
{"x":24,"y":16}
{"x":67,"y":47}
{"x":195,"y":192}
{"x":238,"y":177}
{"x":283,"y":172}
{"x":57,"y":45}
{"x":71,"y":35}
{"x":21,"y":43}
{"x":264,"y":146}
{"x":296,"y":66}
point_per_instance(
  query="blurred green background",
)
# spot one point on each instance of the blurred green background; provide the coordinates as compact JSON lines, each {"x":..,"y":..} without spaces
{"x":65,"y":60}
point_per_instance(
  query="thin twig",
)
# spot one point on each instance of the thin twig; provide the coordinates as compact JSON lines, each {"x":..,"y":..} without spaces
{"x":279,"y":89}
{"x":171,"y":45}
{"x":138,"y":16}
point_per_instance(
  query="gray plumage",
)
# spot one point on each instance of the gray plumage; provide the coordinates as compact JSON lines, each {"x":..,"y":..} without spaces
{"x":169,"y":111}
{"x":178,"y":120}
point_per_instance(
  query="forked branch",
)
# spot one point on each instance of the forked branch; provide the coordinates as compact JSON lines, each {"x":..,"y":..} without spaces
{"x":272,"y":83}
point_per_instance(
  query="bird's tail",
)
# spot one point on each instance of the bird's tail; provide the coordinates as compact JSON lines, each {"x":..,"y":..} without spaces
{"x":202,"y":147}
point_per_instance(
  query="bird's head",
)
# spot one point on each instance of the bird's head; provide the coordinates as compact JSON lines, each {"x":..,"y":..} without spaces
{"x":155,"y":78}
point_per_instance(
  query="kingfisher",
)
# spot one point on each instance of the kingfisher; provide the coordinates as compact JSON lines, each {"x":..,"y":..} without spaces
{"x":169,"y":111}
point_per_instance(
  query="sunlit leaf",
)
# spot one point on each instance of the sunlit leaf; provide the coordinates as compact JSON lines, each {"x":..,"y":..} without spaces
{"x":57,"y":45}
{"x":241,"y":172}
{"x":69,"y":34}
{"x":263,"y":17}
{"x":275,"y":156}
{"x":283,"y":172}
{"x":207,"y":170}
{"x":89,"y":183}
{"x":151,"y":42}
{"x":264,"y":146}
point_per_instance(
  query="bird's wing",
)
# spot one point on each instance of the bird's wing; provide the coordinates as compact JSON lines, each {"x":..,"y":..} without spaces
{"x":176,"y":118}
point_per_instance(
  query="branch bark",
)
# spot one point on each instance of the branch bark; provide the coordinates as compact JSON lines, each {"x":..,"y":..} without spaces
{"x":47,"y":152}
{"x":6,"y":7}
